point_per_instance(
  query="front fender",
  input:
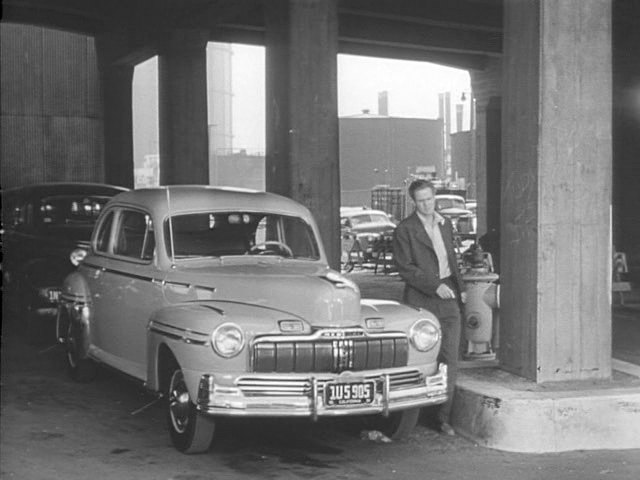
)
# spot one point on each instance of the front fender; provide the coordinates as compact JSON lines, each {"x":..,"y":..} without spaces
{"x":401,"y":317}
{"x":183,"y":333}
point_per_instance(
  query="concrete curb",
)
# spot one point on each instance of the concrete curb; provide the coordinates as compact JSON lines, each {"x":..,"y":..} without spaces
{"x":497,"y":415}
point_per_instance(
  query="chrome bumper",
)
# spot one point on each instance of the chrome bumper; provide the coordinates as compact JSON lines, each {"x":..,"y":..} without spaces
{"x":299,"y":396}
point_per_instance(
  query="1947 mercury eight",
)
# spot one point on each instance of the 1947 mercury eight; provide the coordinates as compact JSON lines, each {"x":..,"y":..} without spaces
{"x":222,"y":302}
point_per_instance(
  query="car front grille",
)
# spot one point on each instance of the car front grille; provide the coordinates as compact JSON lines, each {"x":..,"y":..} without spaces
{"x":284,"y":387}
{"x":331,"y":355}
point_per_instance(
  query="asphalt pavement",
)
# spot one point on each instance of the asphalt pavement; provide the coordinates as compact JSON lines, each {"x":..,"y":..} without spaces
{"x":112,"y":429}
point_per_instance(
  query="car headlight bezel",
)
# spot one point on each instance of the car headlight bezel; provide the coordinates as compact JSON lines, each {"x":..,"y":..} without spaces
{"x":425,"y":334}
{"x":231,"y":334}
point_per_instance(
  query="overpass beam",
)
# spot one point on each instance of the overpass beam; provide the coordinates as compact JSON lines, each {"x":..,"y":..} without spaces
{"x":182,"y":86}
{"x":302,"y":113}
{"x":556,"y":190}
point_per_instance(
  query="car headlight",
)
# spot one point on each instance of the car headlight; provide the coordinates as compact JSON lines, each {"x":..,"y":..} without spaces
{"x":424,"y":335}
{"x":77,"y":256}
{"x":227,"y":340}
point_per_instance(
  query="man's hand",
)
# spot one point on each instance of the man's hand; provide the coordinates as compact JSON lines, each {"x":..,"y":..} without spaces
{"x":445,"y":292}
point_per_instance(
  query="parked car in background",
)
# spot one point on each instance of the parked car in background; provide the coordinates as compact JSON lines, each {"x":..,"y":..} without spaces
{"x":222,"y":301}
{"x":454,"y":207}
{"x":471,"y":205}
{"x":42,"y":225}
{"x":369,"y":226}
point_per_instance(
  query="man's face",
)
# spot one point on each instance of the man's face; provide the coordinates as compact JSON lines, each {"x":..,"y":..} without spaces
{"x":425,"y":201}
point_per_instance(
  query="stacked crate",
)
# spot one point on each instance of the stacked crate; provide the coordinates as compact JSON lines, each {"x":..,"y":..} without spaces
{"x":390,"y":200}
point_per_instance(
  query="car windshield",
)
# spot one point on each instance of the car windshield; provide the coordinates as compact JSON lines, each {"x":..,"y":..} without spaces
{"x":368,"y":218}
{"x":216,"y":234}
{"x":442,"y":203}
{"x":56,"y":211}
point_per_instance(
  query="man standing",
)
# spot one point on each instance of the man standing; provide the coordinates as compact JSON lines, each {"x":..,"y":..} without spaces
{"x":424,"y":254}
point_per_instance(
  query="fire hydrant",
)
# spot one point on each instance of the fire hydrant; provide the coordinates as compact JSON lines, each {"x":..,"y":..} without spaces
{"x":482,"y":298}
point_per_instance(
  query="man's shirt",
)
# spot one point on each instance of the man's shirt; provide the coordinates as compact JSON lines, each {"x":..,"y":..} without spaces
{"x":432,"y":227}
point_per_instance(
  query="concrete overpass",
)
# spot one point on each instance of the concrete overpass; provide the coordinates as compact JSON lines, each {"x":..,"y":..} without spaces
{"x":558,"y":110}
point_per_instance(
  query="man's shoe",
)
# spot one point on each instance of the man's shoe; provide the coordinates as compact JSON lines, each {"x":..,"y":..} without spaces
{"x":447,"y":429}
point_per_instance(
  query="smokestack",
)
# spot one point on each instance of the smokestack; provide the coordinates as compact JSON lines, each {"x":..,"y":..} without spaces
{"x":459,"y":116}
{"x":383,"y":103}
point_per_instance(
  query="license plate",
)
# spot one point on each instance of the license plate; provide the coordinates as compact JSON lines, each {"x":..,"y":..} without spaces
{"x":353,"y":393}
{"x":54,"y":295}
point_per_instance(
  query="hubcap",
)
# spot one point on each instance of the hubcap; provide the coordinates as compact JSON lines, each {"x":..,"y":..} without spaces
{"x":179,"y":402}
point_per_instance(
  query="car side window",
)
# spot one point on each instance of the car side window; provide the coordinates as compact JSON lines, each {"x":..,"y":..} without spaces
{"x":21,"y":215}
{"x":102,"y":237}
{"x":135,"y":236}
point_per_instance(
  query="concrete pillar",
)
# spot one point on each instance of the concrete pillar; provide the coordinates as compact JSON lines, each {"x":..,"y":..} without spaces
{"x":556,"y":190}
{"x":302,"y":114}
{"x":182,"y":87}
{"x":116,"y":84}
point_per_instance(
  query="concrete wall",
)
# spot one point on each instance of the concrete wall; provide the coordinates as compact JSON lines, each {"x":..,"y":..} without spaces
{"x":239,"y":170}
{"x":51,"y":112}
{"x":383,"y":151}
{"x":462,"y":160}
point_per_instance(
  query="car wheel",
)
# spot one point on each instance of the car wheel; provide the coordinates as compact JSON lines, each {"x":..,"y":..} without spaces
{"x":190,"y":431}
{"x":80,"y":369}
{"x":397,"y":424}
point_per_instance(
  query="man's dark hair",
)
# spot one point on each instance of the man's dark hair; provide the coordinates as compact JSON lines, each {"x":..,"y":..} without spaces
{"x":419,"y":185}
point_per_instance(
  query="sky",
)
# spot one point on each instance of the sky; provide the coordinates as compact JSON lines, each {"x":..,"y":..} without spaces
{"x":412,"y":87}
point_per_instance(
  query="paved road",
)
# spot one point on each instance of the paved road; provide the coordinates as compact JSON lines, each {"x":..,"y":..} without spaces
{"x":53,"y":428}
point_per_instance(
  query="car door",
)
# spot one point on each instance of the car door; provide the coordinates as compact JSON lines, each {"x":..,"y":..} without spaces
{"x":126,"y":288}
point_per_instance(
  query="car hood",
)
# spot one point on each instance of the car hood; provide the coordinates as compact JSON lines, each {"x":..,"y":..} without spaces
{"x":305,"y":290}
{"x":374,"y":228}
{"x":454,"y":211}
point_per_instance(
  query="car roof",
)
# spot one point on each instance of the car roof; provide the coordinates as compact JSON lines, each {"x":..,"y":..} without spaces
{"x":193,"y":198}
{"x":450,"y":195}
{"x":64,"y":188}
{"x":353,"y":211}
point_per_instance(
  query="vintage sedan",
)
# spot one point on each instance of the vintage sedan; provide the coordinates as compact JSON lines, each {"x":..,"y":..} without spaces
{"x":221,"y":301}
{"x":369,"y":227}
{"x":42,"y":225}
{"x":462,"y":218}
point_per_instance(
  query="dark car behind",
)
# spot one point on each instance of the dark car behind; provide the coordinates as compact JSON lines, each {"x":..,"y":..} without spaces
{"x":42,"y":225}
{"x":369,"y":227}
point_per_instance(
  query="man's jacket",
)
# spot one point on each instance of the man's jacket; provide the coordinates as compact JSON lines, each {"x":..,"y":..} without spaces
{"x":417,"y":261}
